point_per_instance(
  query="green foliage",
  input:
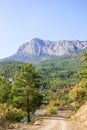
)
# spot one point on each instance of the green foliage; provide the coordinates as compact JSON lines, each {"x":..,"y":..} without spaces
{"x":58,"y":76}
{"x":10,"y":113}
{"x":5,"y":90}
{"x":26,"y":90}
{"x":54,"y":81}
{"x":51,"y":110}
{"x":55,"y":75}
{"x":83,"y":73}
{"x":9,"y":68}
{"x":77,"y":94}
{"x":75,"y":106}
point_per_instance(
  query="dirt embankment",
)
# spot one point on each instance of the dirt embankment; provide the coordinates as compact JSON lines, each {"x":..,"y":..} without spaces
{"x":81,"y":115}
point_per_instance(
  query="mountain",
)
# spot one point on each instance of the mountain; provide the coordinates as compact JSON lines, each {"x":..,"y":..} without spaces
{"x":38,"y":50}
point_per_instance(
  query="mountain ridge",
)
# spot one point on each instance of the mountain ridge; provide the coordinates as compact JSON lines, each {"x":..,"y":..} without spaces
{"x":38,"y":50}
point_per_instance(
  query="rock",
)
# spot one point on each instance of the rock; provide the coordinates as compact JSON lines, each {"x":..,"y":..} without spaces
{"x":13,"y":126}
{"x":38,"y":50}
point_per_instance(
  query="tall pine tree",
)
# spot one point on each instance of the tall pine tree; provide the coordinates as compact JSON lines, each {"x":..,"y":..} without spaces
{"x":26,"y":90}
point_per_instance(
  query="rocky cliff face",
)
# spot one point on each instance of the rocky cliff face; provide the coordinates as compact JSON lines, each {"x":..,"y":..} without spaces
{"x":37,"y":49}
{"x":40,"y":47}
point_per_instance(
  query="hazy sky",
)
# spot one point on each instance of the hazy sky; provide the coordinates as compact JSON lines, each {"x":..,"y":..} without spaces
{"x":23,"y":20}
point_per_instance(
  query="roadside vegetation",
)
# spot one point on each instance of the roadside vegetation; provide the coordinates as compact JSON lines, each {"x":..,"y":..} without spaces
{"x":21,"y":97}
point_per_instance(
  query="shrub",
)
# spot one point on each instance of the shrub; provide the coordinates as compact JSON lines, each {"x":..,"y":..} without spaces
{"x":51,"y":110}
{"x":75,"y":106}
{"x":9,"y":113}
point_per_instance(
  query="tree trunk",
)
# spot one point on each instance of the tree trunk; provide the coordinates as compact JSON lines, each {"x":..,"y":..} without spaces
{"x":28,"y":109}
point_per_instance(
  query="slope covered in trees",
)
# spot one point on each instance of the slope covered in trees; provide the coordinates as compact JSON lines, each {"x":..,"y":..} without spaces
{"x":59,"y":76}
{"x":9,"y":68}
{"x":52,"y":80}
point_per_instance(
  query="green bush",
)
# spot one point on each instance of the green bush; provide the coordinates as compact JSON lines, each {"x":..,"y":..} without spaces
{"x":51,"y":110}
{"x":75,"y":106}
{"x":9,"y":113}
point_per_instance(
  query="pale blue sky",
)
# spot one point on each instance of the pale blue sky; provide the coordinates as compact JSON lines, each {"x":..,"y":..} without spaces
{"x":22,"y":20}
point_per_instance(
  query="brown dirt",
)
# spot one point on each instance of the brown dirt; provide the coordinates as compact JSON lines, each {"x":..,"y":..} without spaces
{"x":59,"y":122}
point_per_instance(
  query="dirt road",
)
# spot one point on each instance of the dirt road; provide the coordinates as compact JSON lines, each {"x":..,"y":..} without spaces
{"x":60,"y":122}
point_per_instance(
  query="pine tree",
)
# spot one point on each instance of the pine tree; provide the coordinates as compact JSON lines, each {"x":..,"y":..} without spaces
{"x":5,"y":90}
{"x":26,"y":90}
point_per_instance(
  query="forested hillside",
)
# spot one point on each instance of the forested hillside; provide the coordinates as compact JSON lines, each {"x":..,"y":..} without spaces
{"x":9,"y":68}
{"x":52,"y":82}
{"x":59,"y":76}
